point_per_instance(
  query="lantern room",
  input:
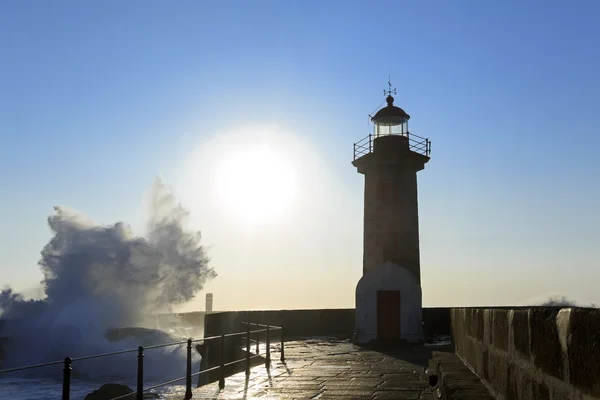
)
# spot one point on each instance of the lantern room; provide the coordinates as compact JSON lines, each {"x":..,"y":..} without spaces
{"x":390,"y":120}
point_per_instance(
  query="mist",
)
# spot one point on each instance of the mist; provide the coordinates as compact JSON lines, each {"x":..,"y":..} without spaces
{"x":98,"y":277}
{"x":563,"y":301}
{"x":558,"y":299}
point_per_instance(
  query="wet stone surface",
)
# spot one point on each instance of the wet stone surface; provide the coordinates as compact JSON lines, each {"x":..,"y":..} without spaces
{"x":327,"y":369}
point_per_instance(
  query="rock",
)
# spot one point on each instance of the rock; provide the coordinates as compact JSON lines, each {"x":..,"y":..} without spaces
{"x":141,"y":336}
{"x":201,"y":349}
{"x":110,"y":391}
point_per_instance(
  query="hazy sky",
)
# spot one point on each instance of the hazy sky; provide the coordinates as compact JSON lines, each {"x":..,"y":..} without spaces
{"x":221,"y":98}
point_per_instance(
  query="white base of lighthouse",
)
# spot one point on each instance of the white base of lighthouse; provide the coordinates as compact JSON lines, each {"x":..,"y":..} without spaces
{"x":389,"y":306}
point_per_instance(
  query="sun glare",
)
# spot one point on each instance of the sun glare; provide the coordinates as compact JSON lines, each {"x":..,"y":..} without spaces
{"x":256,"y":184}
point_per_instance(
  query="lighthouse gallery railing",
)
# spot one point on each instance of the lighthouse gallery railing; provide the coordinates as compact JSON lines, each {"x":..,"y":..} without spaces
{"x":416,"y":143}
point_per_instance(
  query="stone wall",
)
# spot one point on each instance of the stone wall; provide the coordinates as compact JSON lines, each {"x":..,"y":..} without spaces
{"x":327,"y":322}
{"x":531,"y":353}
{"x":296,"y":323}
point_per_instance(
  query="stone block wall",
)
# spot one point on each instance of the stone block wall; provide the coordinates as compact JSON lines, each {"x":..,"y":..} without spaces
{"x":531,"y":353}
{"x":296,"y":323}
{"x":334,"y":322}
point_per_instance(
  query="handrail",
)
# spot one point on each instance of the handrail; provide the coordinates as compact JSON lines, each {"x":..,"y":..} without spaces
{"x":416,"y":143}
{"x":31,"y":366}
{"x":67,"y":362}
{"x":255,"y":324}
{"x":114,"y":353}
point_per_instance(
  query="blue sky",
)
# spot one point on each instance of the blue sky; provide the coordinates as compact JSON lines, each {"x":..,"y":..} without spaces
{"x":98,"y":98}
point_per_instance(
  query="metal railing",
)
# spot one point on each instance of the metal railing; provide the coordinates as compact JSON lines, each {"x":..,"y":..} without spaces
{"x":139,"y":393}
{"x":417,"y":144}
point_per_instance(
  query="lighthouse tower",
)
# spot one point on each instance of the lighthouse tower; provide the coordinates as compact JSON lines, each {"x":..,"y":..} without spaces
{"x":388,"y":296}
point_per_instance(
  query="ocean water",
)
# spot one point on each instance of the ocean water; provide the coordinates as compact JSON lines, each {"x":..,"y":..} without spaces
{"x":160,"y":365}
{"x":44,"y":388}
{"x":103,"y":286}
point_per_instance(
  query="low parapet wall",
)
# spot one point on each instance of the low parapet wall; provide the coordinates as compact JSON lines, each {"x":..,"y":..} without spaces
{"x":531,"y":353}
{"x":297,"y":323}
{"x":326,"y":322}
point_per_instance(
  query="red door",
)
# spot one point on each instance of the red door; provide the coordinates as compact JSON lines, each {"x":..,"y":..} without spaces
{"x":388,"y":315}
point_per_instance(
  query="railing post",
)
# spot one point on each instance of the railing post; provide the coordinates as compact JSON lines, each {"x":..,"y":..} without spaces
{"x":370,"y":143}
{"x":268,"y":358}
{"x":354,"y":152}
{"x":140,"y":374}
{"x":257,"y":339}
{"x":222,"y":364}
{"x":188,"y":372}
{"x":66,"y":389}
{"x":282,"y":347}
{"x":248,"y":351}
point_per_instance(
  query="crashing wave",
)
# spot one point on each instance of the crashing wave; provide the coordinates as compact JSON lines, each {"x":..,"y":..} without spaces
{"x":98,"y":278}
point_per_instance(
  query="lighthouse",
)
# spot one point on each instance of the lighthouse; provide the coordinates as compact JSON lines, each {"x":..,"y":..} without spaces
{"x":388,"y":296}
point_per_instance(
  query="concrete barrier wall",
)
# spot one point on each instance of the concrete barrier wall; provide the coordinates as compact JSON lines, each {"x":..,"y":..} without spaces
{"x":531,"y":353}
{"x":326,"y":322}
{"x":296,"y":323}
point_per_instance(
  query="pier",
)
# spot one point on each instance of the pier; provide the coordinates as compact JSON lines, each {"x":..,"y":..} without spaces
{"x":322,"y":368}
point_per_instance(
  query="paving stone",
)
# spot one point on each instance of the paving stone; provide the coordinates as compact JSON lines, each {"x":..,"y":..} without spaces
{"x":302,"y":386}
{"x":404,"y":395}
{"x":365,"y":382}
{"x":408,"y":383}
{"x":350,"y":392}
{"x":457,"y":381}
{"x":293,"y":378}
{"x":315,"y":373}
{"x":324,"y":370}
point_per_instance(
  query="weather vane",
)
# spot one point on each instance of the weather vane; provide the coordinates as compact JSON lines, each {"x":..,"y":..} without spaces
{"x":390,"y":91}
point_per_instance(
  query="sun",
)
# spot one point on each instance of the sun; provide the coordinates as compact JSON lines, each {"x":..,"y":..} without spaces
{"x":256,"y":184}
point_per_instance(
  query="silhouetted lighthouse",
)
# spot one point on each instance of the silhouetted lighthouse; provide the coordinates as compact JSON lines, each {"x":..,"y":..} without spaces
{"x":388,"y":296}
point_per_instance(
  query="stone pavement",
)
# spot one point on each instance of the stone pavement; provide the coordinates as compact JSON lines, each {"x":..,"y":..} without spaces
{"x":331,"y":369}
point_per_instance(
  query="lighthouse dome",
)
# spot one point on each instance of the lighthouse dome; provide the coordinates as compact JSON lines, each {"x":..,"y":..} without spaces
{"x":390,"y":120}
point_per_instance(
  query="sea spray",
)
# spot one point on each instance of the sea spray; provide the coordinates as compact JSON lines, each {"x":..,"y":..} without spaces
{"x":101,"y":277}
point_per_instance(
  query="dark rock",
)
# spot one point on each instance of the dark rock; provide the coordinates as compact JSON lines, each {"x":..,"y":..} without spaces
{"x":144,"y":336}
{"x":201,"y":349}
{"x":110,"y":391}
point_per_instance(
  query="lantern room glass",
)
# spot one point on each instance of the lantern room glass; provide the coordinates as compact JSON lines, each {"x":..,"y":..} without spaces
{"x":384,"y":128}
